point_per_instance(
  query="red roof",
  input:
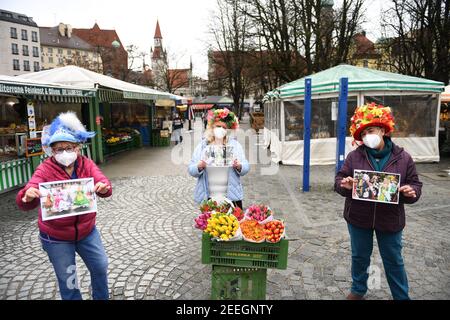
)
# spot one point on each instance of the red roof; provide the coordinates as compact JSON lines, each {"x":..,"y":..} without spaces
{"x":98,"y":37}
{"x":364,"y":47}
{"x":158,"y":31}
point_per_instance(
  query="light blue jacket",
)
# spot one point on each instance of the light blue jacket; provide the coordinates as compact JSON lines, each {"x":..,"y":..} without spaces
{"x":235,"y":191}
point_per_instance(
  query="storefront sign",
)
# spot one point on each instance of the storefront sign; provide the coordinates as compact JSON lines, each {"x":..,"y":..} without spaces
{"x":47,"y":91}
{"x":138,"y":95}
{"x":33,"y":147}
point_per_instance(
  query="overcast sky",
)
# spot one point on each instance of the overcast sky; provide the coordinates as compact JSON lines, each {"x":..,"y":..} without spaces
{"x":184,"y":23}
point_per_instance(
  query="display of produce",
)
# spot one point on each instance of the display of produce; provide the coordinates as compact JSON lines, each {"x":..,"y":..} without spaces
{"x":274,"y":230}
{"x":225,"y":222}
{"x":222,"y":226}
{"x":252,"y":231}
{"x":259,"y":213}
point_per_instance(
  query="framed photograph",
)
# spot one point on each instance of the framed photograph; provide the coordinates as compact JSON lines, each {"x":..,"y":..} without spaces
{"x":376,"y":186}
{"x":61,"y":199}
{"x":218,"y":156}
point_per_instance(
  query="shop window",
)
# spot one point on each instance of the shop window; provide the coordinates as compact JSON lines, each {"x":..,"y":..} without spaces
{"x":34,"y":36}
{"x":16,"y":65}
{"x":25,"y":51}
{"x":24,"y":35}
{"x":14,"y":48}
{"x":293,"y":118}
{"x":415,"y":115}
{"x":13,"y":33}
{"x":26,"y":65}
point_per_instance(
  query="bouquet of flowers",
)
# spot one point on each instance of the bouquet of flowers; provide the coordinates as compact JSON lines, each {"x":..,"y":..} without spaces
{"x":260,"y":213}
{"x":208,"y":206}
{"x":201,"y":222}
{"x":238,"y":213}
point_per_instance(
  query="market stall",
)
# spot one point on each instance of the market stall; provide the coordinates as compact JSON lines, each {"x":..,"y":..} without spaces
{"x":26,"y":106}
{"x":123,"y":110}
{"x":162,"y":122}
{"x":414,"y":102}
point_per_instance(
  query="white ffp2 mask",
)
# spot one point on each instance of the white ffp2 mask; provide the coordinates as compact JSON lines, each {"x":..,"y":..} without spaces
{"x":66,"y":158}
{"x":220,"y":132}
{"x":372,"y":140}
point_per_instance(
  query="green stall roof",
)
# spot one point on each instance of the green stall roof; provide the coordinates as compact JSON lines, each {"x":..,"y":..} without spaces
{"x":359,"y":79}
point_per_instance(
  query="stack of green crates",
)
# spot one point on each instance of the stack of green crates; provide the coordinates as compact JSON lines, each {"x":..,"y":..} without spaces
{"x":239,"y":268}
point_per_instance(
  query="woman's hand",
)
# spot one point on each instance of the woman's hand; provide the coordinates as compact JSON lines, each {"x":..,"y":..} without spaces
{"x":31,"y":194}
{"x":201,"y":165}
{"x":237,"y":165}
{"x":347,"y":183}
{"x":408,"y":191}
{"x":101,"y":188}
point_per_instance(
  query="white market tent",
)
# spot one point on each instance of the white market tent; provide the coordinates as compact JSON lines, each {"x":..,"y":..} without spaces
{"x":445,"y":96}
{"x":82,"y":78}
{"x":414,"y":101}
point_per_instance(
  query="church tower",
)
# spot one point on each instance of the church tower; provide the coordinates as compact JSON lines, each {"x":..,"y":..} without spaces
{"x":159,"y":57}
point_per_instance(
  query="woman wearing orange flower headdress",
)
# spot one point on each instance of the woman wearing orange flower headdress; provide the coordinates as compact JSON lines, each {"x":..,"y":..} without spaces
{"x":372,"y":126}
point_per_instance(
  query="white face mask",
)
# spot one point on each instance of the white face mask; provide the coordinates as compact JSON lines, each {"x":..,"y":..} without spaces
{"x":220,"y":132}
{"x":66,"y":158}
{"x":372,"y":140}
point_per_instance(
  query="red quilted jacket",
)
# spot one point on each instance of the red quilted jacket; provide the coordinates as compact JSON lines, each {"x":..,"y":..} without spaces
{"x":70,"y":228}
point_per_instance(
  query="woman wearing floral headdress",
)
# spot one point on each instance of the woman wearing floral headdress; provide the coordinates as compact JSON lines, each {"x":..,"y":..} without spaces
{"x":372,"y":125}
{"x":220,"y":123}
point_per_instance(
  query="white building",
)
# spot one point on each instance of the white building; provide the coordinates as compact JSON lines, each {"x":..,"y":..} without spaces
{"x":19,"y":44}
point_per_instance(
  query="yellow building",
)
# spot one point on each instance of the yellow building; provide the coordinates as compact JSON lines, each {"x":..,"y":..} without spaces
{"x":363,"y":52}
{"x":59,"y":47}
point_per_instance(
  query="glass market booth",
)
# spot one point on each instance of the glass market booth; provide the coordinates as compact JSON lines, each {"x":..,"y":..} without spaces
{"x":414,"y":102}
{"x":26,"y":106}
{"x":123,"y":110}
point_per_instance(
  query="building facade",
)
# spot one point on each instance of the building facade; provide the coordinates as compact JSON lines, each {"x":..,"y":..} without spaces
{"x":60,"y":47}
{"x":19,"y":44}
{"x":107,"y":43}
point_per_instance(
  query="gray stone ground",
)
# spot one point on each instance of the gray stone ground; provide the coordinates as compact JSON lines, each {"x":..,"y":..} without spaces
{"x":154,"y":251}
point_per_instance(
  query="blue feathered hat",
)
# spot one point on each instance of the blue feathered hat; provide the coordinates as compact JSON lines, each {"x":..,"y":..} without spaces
{"x":66,"y":127}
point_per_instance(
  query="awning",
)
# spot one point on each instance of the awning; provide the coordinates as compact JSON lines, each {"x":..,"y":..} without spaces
{"x":89,"y":80}
{"x":165,"y":103}
{"x":359,"y":79}
{"x":202,"y":106}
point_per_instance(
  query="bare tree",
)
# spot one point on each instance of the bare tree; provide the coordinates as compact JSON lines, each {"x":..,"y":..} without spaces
{"x":231,"y":43}
{"x":417,"y":38}
{"x":305,"y":36}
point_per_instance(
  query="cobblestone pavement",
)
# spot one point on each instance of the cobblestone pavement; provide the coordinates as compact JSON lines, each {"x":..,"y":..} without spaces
{"x":154,"y":252}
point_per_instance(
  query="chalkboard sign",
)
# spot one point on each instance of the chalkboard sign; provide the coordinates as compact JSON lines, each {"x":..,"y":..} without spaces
{"x":33,"y":147}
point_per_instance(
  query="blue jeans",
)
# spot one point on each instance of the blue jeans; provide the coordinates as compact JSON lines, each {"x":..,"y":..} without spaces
{"x":62,"y":257}
{"x":390,"y":246}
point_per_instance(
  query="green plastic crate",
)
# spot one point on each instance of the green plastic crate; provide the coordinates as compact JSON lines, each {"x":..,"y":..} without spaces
{"x":245,"y":254}
{"x":235,"y":283}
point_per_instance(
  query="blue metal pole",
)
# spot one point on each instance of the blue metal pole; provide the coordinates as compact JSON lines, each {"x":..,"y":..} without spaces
{"x":307,"y":135}
{"x":342,"y":123}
